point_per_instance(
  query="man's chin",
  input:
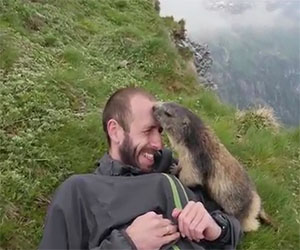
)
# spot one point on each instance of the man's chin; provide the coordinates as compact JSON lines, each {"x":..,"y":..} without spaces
{"x":146,"y":168}
{"x":146,"y":165}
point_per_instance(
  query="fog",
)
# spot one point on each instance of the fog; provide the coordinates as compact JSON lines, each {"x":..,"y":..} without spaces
{"x":204,"y":24}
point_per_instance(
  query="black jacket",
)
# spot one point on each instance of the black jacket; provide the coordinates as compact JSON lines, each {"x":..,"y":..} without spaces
{"x":92,"y":211}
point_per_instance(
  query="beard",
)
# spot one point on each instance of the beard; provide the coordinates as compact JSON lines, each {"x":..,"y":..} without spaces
{"x":127,"y":152}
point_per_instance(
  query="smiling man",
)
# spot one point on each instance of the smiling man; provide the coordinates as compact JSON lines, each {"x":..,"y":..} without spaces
{"x":132,"y":132}
{"x":125,"y":205}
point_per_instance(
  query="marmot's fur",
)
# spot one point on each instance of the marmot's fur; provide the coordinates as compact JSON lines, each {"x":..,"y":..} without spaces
{"x":204,"y":160}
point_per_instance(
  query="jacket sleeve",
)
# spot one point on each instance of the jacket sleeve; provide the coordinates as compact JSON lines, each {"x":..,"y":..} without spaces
{"x":118,"y":239}
{"x":66,"y":225}
{"x":230,"y":238}
{"x":231,"y":235}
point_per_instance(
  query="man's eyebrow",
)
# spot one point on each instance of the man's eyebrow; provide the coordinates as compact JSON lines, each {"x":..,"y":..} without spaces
{"x":151,"y":127}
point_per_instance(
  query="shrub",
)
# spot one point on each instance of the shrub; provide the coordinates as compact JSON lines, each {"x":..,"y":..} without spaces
{"x":259,"y":118}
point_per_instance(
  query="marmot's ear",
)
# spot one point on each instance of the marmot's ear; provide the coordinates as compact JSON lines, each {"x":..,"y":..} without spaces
{"x":185,"y":124}
{"x":185,"y":121}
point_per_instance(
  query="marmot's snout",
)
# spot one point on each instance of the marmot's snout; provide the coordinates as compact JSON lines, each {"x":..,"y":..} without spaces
{"x":159,"y":109}
{"x":157,"y":105}
{"x":170,"y":118}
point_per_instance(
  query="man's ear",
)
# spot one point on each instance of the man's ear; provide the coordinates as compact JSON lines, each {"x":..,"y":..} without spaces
{"x":115,"y":131}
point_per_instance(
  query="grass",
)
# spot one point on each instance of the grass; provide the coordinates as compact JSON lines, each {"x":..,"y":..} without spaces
{"x":59,"y":62}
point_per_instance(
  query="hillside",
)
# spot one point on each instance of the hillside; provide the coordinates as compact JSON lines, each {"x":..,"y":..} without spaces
{"x":60,"y":60}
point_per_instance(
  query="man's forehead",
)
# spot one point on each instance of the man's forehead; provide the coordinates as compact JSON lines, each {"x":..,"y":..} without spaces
{"x":141,"y":109}
{"x":141,"y":103}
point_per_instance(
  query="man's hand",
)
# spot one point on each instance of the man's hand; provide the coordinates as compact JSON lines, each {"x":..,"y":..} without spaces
{"x":196,"y":223}
{"x":151,"y":231}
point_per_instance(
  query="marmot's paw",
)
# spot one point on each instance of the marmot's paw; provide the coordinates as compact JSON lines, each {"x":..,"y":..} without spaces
{"x":175,"y":169}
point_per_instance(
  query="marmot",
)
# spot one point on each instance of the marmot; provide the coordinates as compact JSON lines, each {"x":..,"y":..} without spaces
{"x":204,"y":160}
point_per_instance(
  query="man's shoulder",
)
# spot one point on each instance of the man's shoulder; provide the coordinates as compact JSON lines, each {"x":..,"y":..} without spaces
{"x":94,"y":187}
{"x":81,"y":180}
{"x":74,"y":180}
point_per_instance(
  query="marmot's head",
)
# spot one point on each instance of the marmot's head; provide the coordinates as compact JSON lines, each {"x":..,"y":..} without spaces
{"x":181,"y":125}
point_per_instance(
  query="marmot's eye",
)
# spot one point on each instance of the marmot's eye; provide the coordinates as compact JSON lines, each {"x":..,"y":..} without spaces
{"x":168,"y":114}
{"x":160,"y":130}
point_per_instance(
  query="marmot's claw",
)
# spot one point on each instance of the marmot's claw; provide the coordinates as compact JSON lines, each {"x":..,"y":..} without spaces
{"x":175,"y":169}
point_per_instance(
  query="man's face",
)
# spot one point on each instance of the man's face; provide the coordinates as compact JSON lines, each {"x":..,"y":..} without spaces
{"x":139,"y":145}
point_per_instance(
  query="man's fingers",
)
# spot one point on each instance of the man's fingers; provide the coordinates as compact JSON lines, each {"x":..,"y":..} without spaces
{"x":152,"y":214}
{"x":169,"y":238}
{"x":182,"y":217}
{"x":176,"y":212}
{"x":164,"y":223}
{"x":188,"y":220}
{"x":171,"y":229}
{"x":198,"y":220}
{"x":186,"y":217}
{"x":168,"y":229}
{"x":199,"y":230}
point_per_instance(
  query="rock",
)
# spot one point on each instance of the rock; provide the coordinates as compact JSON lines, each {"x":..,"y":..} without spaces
{"x":202,"y":60}
{"x":201,"y":54}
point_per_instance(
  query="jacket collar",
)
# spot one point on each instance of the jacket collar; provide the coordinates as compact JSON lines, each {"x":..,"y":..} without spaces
{"x":108,"y":166}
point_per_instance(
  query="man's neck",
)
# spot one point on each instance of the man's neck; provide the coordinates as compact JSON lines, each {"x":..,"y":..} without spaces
{"x":114,"y":154}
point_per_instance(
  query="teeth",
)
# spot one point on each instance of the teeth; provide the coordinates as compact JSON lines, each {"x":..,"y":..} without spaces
{"x":149,"y":156}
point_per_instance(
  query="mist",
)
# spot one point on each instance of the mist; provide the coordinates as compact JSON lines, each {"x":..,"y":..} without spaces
{"x":204,"y":24}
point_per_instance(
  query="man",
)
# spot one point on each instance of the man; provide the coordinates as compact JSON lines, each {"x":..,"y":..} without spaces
{"x":125,"y":205}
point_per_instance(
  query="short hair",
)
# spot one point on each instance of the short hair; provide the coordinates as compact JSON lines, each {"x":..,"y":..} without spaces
{"x":118,"y":107}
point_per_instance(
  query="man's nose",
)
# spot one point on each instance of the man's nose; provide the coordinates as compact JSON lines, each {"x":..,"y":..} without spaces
{"x":156,"y":140}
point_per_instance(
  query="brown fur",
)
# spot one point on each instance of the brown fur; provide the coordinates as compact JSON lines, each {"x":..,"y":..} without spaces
{"x":204,"y":160}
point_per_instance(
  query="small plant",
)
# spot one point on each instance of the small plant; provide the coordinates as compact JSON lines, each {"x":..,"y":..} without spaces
{"x":259,"y":118}
{"x":72,"y":56}
{"x":8,"y":53}
{"x":121,"y":4}
{"x":35,"y":22}
{"x":50,"y":40}
{"x":177,"y":28}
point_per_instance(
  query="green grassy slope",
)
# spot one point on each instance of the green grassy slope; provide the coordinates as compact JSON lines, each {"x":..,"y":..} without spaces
{"x":59,"y":61}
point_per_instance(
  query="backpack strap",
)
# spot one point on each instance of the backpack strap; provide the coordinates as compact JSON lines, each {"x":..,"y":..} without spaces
{"x":179,"y":194}
{"x":180,"y":197}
